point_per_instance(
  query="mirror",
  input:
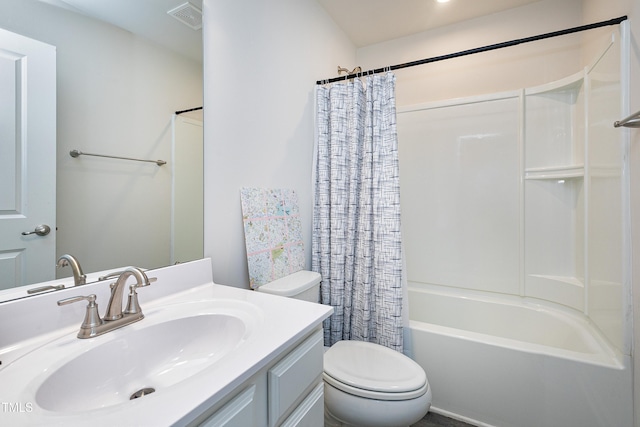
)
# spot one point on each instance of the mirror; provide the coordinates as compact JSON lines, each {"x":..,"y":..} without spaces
{"x":117,"y":93}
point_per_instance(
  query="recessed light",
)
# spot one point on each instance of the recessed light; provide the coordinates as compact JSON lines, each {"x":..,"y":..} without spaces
{"x":443,"y":1}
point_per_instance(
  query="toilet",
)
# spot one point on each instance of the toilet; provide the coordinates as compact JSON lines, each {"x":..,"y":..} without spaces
{"x":365,"y":384}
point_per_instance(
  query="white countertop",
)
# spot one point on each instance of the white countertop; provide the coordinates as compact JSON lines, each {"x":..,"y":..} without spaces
{"x":283,"y":322}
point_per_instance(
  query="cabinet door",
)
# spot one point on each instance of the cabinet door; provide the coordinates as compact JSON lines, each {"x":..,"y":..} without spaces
{"x":238,"y":412}
{"x":292,"y":376}
{"x":310,"y":413}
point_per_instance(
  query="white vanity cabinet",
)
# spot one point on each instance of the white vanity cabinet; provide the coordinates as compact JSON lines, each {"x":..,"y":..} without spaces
{"x":287,"y":392}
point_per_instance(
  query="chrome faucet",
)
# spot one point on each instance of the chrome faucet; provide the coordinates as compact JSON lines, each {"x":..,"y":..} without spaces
{"x":114,"y":317}
{"x":79,"y":278}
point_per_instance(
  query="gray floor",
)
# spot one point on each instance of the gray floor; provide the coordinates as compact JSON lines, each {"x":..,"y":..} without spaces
{"x":435,"y":420}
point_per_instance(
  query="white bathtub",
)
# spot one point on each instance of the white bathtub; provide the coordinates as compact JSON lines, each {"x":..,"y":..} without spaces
{"x":504,"y":362}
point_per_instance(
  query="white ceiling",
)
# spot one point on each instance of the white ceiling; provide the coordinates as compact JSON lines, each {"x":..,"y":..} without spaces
{"x":364,"y":21}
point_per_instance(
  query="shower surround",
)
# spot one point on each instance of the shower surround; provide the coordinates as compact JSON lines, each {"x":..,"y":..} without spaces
{"x":515,"y":212}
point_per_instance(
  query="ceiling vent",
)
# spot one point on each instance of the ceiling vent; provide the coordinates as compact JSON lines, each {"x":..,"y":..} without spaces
{"x":188,"y":14}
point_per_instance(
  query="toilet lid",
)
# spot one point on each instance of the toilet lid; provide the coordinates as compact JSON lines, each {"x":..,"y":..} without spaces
{"x":293,"y":284}
{"x":373,"y":367}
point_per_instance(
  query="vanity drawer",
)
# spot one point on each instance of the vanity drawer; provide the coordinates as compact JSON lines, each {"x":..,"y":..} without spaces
{"x":290,"y":378}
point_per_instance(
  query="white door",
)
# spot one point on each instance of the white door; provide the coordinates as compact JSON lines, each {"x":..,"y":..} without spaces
{"x":27,"y":160}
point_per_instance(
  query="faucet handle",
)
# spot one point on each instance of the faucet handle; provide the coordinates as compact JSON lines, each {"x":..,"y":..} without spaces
{"x":133,"y":306}
{"x":149,"y":281}
{"x":91,"y":318}
{"x":91,"y":298}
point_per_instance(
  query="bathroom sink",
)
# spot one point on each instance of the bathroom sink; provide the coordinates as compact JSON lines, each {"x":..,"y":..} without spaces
{"x":169,"y":346}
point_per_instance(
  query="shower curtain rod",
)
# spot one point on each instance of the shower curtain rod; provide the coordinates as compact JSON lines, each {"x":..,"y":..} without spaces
{"x":614,"y":21}
{"x":186,"y":111}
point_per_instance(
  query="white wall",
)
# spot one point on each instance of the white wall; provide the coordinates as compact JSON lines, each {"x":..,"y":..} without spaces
{"x":116,"y":94}
{"x":490,"y":72}
{"x":262,"y":60}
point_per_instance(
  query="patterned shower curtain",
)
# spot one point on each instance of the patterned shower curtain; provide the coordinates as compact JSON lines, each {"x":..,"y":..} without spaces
{"x":356,"y":244}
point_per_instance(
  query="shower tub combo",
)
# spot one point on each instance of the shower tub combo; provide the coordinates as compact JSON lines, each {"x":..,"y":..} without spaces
{"x":514,"y":221}
{"x":510,"y":363}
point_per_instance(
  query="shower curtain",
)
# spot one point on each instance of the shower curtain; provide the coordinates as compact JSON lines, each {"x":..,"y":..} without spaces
{"x":356,"y":242}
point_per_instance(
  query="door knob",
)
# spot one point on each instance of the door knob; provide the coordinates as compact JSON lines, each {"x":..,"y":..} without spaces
{"x":41,"y":230}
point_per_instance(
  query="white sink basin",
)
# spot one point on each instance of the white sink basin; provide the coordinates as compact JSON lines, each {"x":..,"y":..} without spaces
{"x":169,"y":346}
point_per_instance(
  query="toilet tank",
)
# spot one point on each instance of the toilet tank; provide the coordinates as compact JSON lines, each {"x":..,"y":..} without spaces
{"x":303,"y":285}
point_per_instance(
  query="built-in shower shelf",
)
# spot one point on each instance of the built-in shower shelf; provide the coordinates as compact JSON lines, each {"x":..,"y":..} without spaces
{"x":562,"y":279}
{"x":569,"y":84}
{"x":555,"y":172}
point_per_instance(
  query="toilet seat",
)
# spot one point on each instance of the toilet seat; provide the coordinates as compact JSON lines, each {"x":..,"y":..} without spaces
{"x":373,"y":371}
{"x":377,"y":395}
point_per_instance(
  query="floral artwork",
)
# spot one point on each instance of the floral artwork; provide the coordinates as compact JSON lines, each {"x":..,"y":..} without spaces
{"x":272,"y":234}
